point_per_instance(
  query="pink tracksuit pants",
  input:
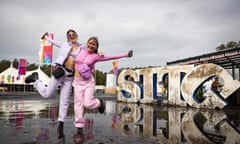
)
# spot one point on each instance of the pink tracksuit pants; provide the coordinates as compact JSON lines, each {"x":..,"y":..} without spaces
{"x":83,"y":97}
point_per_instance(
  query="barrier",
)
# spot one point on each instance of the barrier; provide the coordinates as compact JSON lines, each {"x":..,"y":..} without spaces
{"x":3,"y":89}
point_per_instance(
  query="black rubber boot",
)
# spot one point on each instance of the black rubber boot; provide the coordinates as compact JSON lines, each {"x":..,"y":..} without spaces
{"x":31,"y":78}
{"x":101,"y":109}
{"x":60,"y":130}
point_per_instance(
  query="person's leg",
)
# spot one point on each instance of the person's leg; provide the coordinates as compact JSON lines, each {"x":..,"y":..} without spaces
{"x":89,"y":101}
{"x":47,"y":91}
{"x":78,"y":104}
{"x":65,"y":93}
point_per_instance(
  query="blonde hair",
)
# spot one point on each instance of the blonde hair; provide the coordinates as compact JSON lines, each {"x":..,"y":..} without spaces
{"x":96,"y":40}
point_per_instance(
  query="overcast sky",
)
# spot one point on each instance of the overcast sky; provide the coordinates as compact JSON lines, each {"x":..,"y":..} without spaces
{"x":158,"y":31}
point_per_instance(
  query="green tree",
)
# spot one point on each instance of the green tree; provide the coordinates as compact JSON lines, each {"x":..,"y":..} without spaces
{"x":221,"y":47}
{"x":230,"y":44}
{"x":47,"y":69}
{"x":100,"y":77}
{"x":4,"y":64}
{"x":32,"y":67}
{"x":15,"y":63}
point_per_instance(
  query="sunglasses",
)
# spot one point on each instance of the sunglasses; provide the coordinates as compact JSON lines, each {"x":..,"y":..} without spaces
{"x":72,"y":35}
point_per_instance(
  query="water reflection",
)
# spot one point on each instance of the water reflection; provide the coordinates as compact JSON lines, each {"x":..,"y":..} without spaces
{"x":179,"y":125}
{"x":42,"y":136}
{"x":37,"y":119}
{"x":86,"y":135}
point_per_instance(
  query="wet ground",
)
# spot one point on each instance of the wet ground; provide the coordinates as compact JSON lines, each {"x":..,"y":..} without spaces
{"x":26,"y":118}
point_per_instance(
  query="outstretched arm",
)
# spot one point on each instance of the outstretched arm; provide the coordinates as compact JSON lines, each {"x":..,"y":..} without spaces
{"x":112,"y":57}
{"x":57,"y":44}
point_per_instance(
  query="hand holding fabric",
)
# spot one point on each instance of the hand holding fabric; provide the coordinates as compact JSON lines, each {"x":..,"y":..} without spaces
{"x":43,"y":36}
{"x":101,"y":54}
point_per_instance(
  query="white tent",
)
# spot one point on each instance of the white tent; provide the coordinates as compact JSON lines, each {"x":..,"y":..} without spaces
{"x":13,"y":74}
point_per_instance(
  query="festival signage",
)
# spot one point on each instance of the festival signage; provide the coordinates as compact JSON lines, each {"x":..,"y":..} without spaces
{"x":183,"y":83}
{"x":46,"y":51}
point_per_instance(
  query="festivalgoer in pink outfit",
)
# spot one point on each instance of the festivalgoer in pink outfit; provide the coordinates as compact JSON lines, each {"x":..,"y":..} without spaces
{"x":84,"y":88}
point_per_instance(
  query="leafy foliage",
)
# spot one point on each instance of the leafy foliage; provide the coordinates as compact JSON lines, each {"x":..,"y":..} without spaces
{"x":47,"y":69}
{"x":15,"y":63}
{"x":4,"y":64}
{"x":32,"y":67}
{"x":100,"y":77}
{"x":230,"y":44}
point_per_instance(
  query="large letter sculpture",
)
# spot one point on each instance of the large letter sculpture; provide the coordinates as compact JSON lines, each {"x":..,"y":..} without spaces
{"x":181,"y":89}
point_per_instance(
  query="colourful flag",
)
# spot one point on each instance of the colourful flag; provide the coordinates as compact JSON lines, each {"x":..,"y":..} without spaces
{"x":22,"y":67}
{"x":23,"y":79}
{"x":46,"y":51}
{"x":9,"y":78}
{"x":2,"y":79}
{"x":13,"y":79}
{"x":115,"y":67}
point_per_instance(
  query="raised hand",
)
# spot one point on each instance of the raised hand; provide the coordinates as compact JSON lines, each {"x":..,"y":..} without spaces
{"x":43,"y":36}
{"x":130,"y":53}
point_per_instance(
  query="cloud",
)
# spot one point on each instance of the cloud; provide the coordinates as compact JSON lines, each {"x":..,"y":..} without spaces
{"x":157,"y":31}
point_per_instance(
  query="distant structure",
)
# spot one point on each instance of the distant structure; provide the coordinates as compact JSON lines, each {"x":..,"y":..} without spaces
{"x":11,"y":81}
{"x":13,"y":72}
{"x":110,"y":84}
{"x":228,"y":59}
{"x":111,"y":81}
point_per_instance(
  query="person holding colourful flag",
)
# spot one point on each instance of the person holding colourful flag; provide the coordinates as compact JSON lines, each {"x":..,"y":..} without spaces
{"x":62,"y":74}
{"x":84,"y":84}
